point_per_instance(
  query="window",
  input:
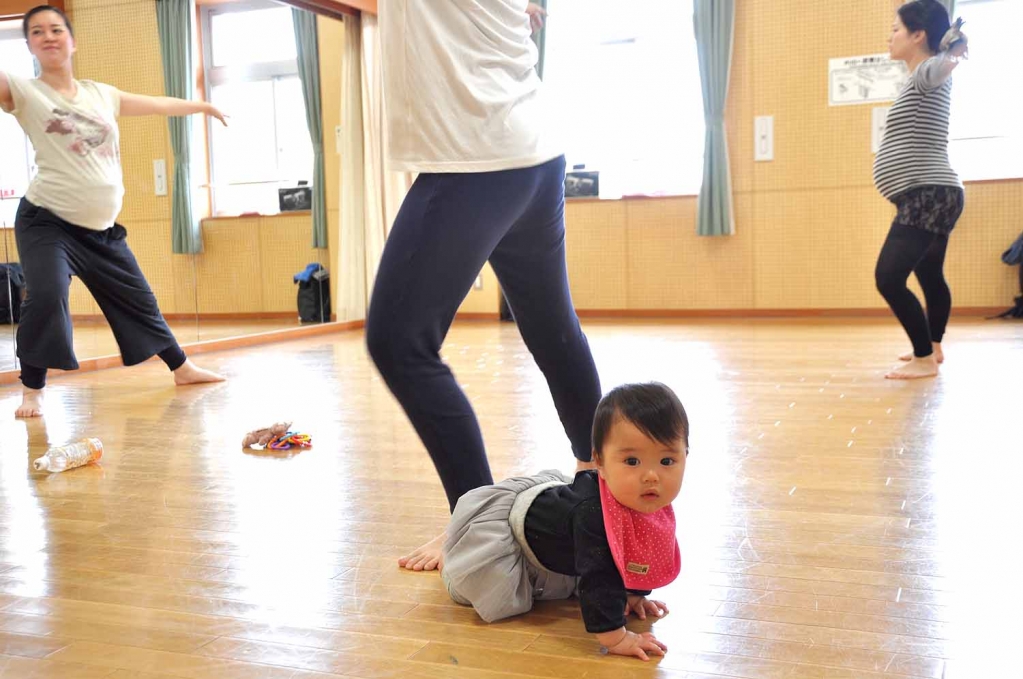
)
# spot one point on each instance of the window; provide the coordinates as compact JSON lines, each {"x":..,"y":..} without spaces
{"x":986,"y":134}
{"x":252,"y":76}
{"x":17,"y":162}
{"x":624,"y":90}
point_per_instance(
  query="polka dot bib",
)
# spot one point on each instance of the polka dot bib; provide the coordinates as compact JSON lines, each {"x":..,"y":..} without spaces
{"x":643,"y":546}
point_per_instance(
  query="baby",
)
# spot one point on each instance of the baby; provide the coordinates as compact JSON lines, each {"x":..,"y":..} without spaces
{"x":607,"y":536}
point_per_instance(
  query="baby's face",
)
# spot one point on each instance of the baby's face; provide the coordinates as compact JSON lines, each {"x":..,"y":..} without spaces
{"x":642,"y":474}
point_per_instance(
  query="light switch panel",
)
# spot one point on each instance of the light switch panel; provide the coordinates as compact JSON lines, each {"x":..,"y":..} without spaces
{"x":160,"y":176}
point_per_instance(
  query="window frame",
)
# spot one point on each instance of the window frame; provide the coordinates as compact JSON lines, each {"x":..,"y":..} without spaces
{"x":613,"y":185}
{"x":213,"y":76}
{"x":10,"y":29}
{"x":10,"y":26}
{"x":1011,"y":173}
{"x":218,"y":75}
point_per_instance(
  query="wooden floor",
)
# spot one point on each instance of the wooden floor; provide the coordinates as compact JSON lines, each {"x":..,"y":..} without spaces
{"x":93,"y":339}
{"x":834,"y":525}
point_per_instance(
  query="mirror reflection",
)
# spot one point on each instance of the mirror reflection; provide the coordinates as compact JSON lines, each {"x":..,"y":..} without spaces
{"x":263,"y":256}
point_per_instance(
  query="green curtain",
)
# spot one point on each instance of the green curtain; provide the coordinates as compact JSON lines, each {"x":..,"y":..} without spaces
{"x":714,"y":23}
{"x":309,"y":72}
{"x":174,"y":22}
{"x":540,"y":38}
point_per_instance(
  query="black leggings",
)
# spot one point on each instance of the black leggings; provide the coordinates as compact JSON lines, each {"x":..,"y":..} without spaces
{"x":917,"y":243}
{"x":909,"y":249}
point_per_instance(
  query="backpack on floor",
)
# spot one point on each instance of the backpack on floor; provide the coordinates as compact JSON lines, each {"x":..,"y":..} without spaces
{"x":313,"y":294}
{"x":1014,"y":257}
{"x":12,"y":291}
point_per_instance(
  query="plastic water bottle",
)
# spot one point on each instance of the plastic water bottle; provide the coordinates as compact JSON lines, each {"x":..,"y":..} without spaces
{"x":70,"y":456}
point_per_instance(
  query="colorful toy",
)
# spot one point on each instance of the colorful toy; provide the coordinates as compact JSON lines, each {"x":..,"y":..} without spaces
{"x":277,"y":437}
{"x":291,"y":439}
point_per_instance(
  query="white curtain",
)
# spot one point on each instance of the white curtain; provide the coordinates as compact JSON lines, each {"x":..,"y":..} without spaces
{"x":351,"y":265}
{"x":370,"y":194}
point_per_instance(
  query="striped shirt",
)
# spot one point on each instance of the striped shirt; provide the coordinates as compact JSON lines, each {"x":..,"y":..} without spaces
{"x":914,"y":151}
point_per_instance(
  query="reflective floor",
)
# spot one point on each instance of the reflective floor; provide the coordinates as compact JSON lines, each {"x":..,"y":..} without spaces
{"x":834,"y":525}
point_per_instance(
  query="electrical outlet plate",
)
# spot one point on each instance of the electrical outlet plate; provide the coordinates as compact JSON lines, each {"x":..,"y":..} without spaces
{"x":763,"y":137}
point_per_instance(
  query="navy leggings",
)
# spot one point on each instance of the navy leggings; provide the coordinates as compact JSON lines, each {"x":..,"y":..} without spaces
{"x":447,"y":228}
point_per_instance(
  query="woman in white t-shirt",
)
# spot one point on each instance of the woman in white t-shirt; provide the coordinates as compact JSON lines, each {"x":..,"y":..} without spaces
{"x":464,"y":110}
{"x":65,"y":223}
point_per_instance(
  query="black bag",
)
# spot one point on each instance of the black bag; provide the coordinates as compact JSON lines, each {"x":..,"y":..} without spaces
{"x":1014,"y":256}
{"x":1014,"y":312}
{"x":504,"y":310}
{"x":12,"y":291}
{"x":313,"y":295}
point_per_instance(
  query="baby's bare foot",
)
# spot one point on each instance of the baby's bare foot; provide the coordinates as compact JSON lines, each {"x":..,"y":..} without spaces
{"x":426,"y":557}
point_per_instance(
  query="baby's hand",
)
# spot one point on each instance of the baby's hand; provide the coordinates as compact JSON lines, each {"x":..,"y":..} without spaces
{"x":641,"y":606}
{"x":638,"y":645}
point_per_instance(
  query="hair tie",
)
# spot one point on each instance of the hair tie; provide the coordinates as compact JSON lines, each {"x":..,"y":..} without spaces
{"x":292,"y":439}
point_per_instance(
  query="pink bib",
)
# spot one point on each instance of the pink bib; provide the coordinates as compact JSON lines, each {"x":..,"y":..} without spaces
{"x":643,"y":546}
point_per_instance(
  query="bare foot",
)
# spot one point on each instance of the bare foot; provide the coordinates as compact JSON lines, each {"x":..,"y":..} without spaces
{"x":583,"y":466}
{"x":915,"y":369}
{"x":426,"y":558}
{"x":190,"y":373}
{"x":939,"y":355}
{"x":31,"y":403}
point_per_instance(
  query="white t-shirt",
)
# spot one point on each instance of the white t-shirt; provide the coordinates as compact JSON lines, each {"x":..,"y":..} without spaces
{"x":77,"y":147}
{"x":460,"y":86}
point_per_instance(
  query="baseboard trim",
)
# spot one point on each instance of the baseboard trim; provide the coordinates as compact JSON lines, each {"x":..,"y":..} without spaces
{"x":871,"y":312}
{"x":244,"y":316}
{"x":209,"y":346}
{"x":855,"y":312}
{"x":477,"y":316}
{"x":248,"y":316}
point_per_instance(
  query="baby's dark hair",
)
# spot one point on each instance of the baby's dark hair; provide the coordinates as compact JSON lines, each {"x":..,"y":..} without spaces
{"x":652,"y":408}
{"x":929,"y":16}
{"x":45,"y":8}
